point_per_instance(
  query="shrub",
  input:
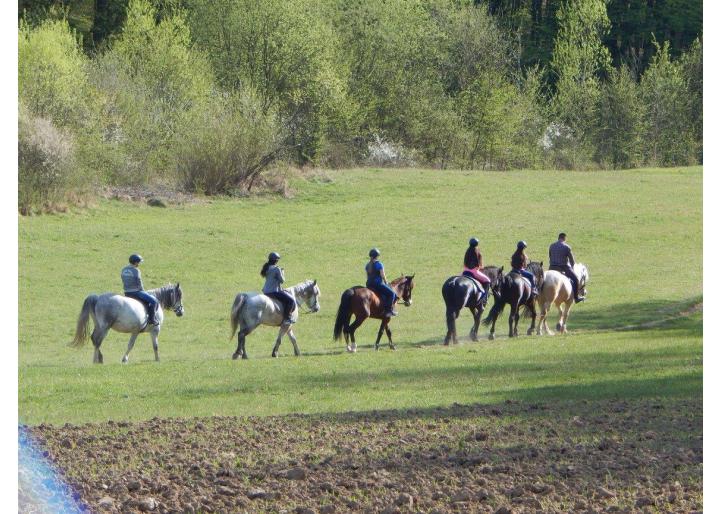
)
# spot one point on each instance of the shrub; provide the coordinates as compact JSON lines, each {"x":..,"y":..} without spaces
{"x":45,"y":163}
{"x":381,"y":152}
{"x":230,"y":146}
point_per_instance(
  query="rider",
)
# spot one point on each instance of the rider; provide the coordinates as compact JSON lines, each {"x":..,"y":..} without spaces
{"x":133,"y":287}
{"x":562,"y":260}
{"x":377,"y":282}
{"x":274,"y":277}
{"x":519,"y":262}
{"x":474,"y":263}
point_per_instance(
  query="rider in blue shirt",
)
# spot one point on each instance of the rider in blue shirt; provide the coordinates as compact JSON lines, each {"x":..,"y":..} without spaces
{"x":133,"y":287}
{"x":377,"y":282}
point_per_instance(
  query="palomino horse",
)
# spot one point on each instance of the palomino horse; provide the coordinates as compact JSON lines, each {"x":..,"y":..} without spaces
{"x":460,"y":291}
{"x":516,"y":291}
{"x":126,"y":315}
{"x":364,"y":303}
{"x":252,"y":309}
{"x":557,"y":290}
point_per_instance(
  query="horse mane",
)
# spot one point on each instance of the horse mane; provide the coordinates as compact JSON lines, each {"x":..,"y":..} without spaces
{"x":165,"y":295}
{"x":303,"y":286}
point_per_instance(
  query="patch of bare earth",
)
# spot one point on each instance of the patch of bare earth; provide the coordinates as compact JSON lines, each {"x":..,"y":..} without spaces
{"x":597,"y":456}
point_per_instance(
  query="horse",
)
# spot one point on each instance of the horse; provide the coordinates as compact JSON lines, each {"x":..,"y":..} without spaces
{"x":557,"y":289}
{"x":364,"y":303}
{"x":126,"y":315}
{"x":249,"y":310}
{"x":461,"y":291}
{"x":516,"y":291}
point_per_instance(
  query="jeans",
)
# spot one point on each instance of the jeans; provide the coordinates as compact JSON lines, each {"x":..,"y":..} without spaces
{"x":286,"y":300}
{"x":148,"y":300}
{"x":385,"y":292}
{"x":525,"y":273}
{"x":569,"y":273}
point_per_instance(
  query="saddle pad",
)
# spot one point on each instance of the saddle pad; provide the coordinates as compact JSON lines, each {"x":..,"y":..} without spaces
{"x":476,"y":281}
{"x":521,"y":276}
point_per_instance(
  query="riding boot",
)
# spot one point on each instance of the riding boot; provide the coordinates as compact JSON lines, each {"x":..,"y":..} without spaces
{"x":390,"y":311}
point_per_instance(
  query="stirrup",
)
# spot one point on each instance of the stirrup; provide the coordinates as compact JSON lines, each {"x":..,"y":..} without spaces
{"x":288,"y":321}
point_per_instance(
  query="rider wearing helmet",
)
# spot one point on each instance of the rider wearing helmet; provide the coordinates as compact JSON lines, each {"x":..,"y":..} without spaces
{"x":377,"y":282}
{"x":473,"y":264}
{"x":274,"y":277}
{"x":133,"y":287}
{"x":519,"y":262}
{"x":562,"y":260}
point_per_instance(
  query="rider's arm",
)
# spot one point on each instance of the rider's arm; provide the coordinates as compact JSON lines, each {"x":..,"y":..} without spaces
{"x":480,"y":262}
{"x":281,"y":275}
{"x":139,"y":279}
{"x":570,"y":257}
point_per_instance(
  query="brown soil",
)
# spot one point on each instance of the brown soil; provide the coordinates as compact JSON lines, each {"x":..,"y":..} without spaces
{"x":597,"y":456}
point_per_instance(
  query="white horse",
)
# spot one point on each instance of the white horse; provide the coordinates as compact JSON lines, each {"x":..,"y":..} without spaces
{"x":557,"y":289}
{"x":126,"y":315}
{"x":252,"y":309}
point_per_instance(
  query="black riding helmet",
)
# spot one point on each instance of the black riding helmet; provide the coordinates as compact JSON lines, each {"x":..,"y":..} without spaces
{"x":521,"y":245}
{"x":474,"y":241}
{"x":135,"y":259}
{"x":274,"y":257}
{"x":374,"y":253}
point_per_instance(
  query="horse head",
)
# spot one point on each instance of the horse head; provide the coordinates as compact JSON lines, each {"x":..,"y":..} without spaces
{"x":403,"y":287}
{"x":177,"y":305}
{"x":583,"y":275}
{"x":309,"y":294}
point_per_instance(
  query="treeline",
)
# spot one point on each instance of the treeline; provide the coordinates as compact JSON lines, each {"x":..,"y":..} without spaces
{"x":208,"y":95}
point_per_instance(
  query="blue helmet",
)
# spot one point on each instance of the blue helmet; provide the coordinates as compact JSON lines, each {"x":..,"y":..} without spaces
{"x":521,"y":245}
{"x":135,"y":259}
{"x":274,"y":257}
{"x":374,"y":253}
{"x":474,"y":241}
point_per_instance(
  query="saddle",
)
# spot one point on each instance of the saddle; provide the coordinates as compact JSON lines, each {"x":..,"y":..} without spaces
{"x":481,"y":295}
{"x":476,"y":281}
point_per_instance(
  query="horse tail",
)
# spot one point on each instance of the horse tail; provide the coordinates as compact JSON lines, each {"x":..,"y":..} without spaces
{"x":342,"y":319}
{"x":496,"y":310}
{"x":235,"y":312}
{"x":81,"y":331}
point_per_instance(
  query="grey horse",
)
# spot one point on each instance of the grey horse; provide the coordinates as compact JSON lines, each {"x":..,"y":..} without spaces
{"x":252,"y":309}
{"x":125,"y":315}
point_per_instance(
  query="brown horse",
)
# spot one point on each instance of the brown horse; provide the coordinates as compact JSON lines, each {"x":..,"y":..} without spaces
{"x":364,"y":303}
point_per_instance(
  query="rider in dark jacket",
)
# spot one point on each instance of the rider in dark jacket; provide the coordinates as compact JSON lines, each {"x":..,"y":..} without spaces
{"x":519,"y":262}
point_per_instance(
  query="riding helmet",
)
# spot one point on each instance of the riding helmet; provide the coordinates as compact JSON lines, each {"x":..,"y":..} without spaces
{"x":521,"y":244}
{"x":474,"y":241}
{"x":135,"y":259}
{"x":374,"y":253}
{"x":274,"y":257}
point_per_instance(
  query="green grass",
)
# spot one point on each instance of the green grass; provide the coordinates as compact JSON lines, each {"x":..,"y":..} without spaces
{"x":639,"y":232}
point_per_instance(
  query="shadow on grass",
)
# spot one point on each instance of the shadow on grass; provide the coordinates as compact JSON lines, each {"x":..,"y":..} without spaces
{"x":585,"y":317}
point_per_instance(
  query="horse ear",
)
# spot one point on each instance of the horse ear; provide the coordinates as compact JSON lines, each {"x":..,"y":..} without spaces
{"x":501,"y":268}
{"x":177,"y":285}
{"x":541,"y":263}
{"x":412,"y":276}
{"x":314,"y":282}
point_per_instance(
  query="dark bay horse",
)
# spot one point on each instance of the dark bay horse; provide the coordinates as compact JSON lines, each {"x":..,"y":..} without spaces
{"x":364,"y":303}
{"x":460,"y":291}
{"x":516,"y":291}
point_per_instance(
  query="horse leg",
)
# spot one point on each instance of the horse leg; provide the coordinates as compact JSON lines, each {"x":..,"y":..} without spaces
{"x":154,"y":337}
{"x":491,"y":335}
{"x":131,"y":343}
{"x":450,"y":316}
{"x":534,"y":316}
{"x":284,"y":328}
{"x":477,"y":314}
{"x":240,"y":352}
{"x":389,"y":335}
{"x":97,"y":337}
{"x":511,"y":318}
{"x":353,"y":327}
{"x":380,"y":333}
{"x":559,"y":326}
{"x":291,"y":335}
{"x":568,"y":305}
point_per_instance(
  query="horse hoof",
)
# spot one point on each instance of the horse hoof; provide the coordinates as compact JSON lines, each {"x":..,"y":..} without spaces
{"x":392,"y":347}
{"x":491,"y":337}
{"x":274,"y":356}
{"x":235,"y":356}
{"x":530,"y":332}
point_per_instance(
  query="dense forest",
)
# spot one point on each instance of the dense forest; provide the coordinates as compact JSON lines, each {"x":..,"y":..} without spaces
{"x":209,"y":95}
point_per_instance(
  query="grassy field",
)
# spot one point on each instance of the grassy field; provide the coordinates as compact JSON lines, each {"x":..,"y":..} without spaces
{"x":639,"y":232}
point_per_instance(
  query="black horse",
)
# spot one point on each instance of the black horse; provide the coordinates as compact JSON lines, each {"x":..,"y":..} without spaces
{"x":516,"y":291}
{"x":460,"y":291}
